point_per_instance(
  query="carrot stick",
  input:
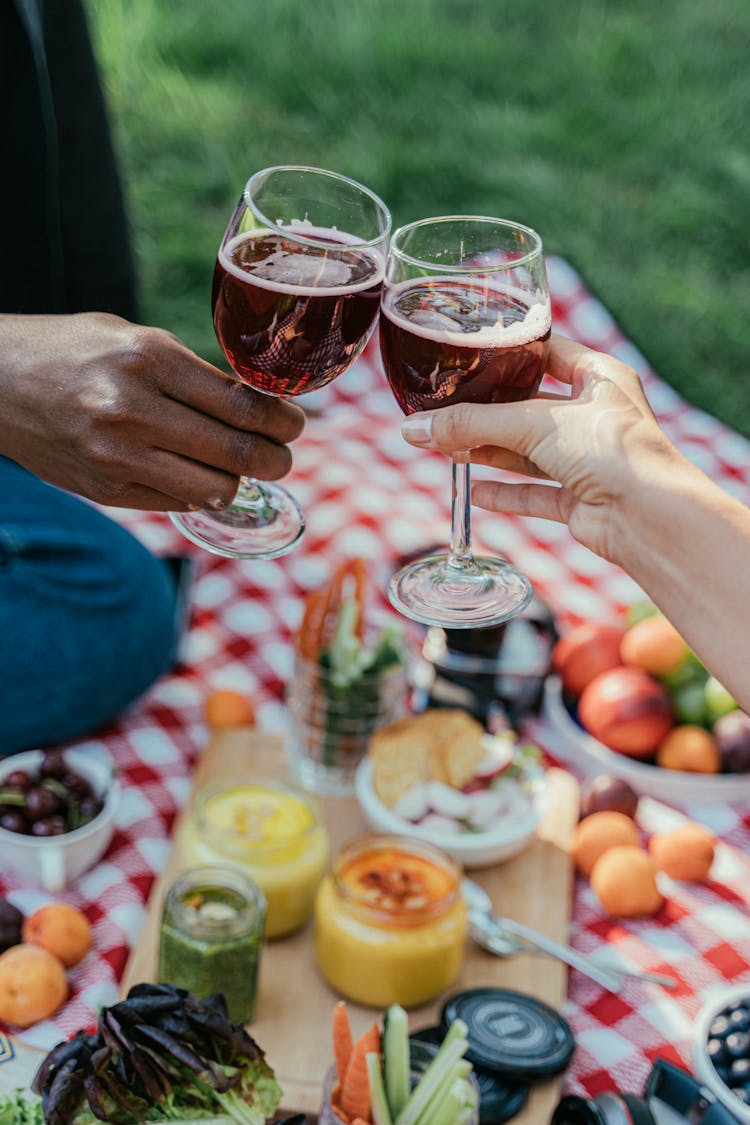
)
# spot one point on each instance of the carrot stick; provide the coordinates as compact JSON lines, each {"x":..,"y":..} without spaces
{"x":308,"y":636}
{"x":342,"y":1039}
{"x":336,"y":1104}
{"x":335,"y":596}
{"x":355,"y":1088}
{"x":359,"y":572}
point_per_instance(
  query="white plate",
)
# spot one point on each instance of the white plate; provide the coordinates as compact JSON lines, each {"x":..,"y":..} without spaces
{"x":675,"y":787}
{"x":702,"y":1065}
{"x":471,"y":849}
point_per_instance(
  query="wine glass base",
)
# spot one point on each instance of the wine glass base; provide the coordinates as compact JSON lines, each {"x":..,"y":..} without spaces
{"x":263,"y":522}
{"x":434,"y":591}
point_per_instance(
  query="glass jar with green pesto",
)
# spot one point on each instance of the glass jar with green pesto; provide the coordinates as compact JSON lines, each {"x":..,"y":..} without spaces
{"x":212,"y":935}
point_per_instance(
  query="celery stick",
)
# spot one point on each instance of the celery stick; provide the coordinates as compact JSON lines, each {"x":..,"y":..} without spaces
{"x":378,"y":1101}
{"x":449,"y":1108}
{"x":396,"y":1062}
{"x":455,"y":1107}
{"x":439,"y":1094}
{"x":451,"y":1050}
{"x":457,"y":1030}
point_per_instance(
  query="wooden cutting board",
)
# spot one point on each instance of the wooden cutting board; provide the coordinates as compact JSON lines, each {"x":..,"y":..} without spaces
{"x":292,"y":1021}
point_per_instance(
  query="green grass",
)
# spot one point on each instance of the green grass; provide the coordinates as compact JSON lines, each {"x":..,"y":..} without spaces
{"x":618,"y":130}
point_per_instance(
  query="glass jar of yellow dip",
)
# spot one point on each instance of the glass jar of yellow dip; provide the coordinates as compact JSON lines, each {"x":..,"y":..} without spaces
{"x":272,"y":831}
{"x":390,"y":921}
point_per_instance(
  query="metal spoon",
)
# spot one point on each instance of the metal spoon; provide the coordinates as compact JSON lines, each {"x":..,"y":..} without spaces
{"x":505,"y":937}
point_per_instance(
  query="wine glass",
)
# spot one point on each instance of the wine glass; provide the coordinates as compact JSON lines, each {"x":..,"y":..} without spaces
{"x":296,"y":293}
{"x":465,"y":317}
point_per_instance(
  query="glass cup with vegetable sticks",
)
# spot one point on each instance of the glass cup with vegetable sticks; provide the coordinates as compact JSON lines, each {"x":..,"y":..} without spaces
{"x":295,"y":297}
{"x":350,"y":676}
{"x":384,"y":1076}
{"x":465,"y":317}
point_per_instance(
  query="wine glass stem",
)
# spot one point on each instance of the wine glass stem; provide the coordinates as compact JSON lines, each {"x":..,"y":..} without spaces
{"x":460,"y":553}
{"x":250,"y":491}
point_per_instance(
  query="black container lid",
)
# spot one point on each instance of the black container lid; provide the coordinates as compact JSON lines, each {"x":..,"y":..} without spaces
{"x":510,"y":1033}
{"x":500,"y":1098}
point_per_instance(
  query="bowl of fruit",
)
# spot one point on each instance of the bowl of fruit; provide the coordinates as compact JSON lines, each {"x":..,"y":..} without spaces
{"x":57,"y":814}
{"x":721,"y":1048}
{"x":632,"y":700}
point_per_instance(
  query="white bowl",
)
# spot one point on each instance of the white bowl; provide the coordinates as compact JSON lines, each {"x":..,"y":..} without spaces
{"x":471,"y":849}
{"x":718,"y":1000}
{"x":581,"y":750}
{"x":53,"y":862}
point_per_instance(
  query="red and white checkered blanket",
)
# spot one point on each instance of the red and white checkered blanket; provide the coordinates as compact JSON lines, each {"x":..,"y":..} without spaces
{"x":366,"y":492}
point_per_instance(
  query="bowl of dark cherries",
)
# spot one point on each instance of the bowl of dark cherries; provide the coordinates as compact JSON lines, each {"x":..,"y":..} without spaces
{"x":57,"y":811}
{"x":721,"y":1049}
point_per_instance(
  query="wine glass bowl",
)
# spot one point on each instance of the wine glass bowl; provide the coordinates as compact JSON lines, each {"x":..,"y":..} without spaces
{"x":295,"y":297}
{"x":465,"y":317}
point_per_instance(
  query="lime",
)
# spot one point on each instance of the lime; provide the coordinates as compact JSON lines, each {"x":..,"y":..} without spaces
{"x":638,"y":611}
{"x":718,"y":700}
{"x":688,"y":671}
{"x":689,"y":702}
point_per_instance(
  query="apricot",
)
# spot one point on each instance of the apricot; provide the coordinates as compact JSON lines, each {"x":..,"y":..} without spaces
{"x":624,"y":881}
{"x":61,"y":929}
{"x":33,"y":985}
{"x":226,"y":708}
{"x":585,"y":651}
{"x":654,"y":645}
{"x":599,"y":832}
{"x":685,"y":853}
{"x":691,"y":748}
{"x":627,"y":710}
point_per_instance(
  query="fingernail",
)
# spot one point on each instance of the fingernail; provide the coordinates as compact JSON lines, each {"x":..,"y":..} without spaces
{"x":216,"y":504}
{"x":417,"y":428}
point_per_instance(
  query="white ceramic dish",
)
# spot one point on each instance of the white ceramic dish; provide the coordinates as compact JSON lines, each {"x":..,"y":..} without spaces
{"x":471,"y":849}
{"x":702,"y":1065}
{"x":53,"y":862}
{"x":581,"y":750}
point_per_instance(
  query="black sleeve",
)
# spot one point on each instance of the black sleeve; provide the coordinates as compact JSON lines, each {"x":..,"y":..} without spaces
{"x":64,"y":244}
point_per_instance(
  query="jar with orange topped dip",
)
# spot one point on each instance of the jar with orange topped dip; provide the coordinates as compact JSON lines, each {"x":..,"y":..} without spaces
{"x":390,"y":921}
{"x":274,"y":832}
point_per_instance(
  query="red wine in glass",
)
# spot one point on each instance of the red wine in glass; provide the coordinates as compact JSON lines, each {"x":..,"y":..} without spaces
{"x":296,"y":293}
{"x":445,"y":342}
{"x":291,"y":317}
{"x":465,"y":318}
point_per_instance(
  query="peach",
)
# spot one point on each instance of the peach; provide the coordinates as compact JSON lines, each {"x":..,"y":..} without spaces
{"x":61,"y":929}
{"x":596,"y":834}
{"x":33,"y":985}
{"x":585,"y":651}
{"x":226,"y":709}
{"x":654,"y":645}
{"x":685,"y":853}
{"x":624,"y":881}
{"x":691,"y":748}
{"x":627,"y":710}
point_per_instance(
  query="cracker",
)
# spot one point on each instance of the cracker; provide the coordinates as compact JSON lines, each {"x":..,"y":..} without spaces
{"x":440,"y":744}
{"x":400,"y":759}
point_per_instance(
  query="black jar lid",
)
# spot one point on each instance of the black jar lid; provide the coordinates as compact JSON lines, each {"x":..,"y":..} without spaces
{"x":510,"y":1033}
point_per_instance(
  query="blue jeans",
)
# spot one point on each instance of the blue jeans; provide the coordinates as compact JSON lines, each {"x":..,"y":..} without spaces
{"x":87,"y":614}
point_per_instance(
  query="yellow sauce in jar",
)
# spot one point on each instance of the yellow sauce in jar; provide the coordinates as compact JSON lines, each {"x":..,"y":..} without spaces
{"x":390,"y":922}
{"x":273,"y":832}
